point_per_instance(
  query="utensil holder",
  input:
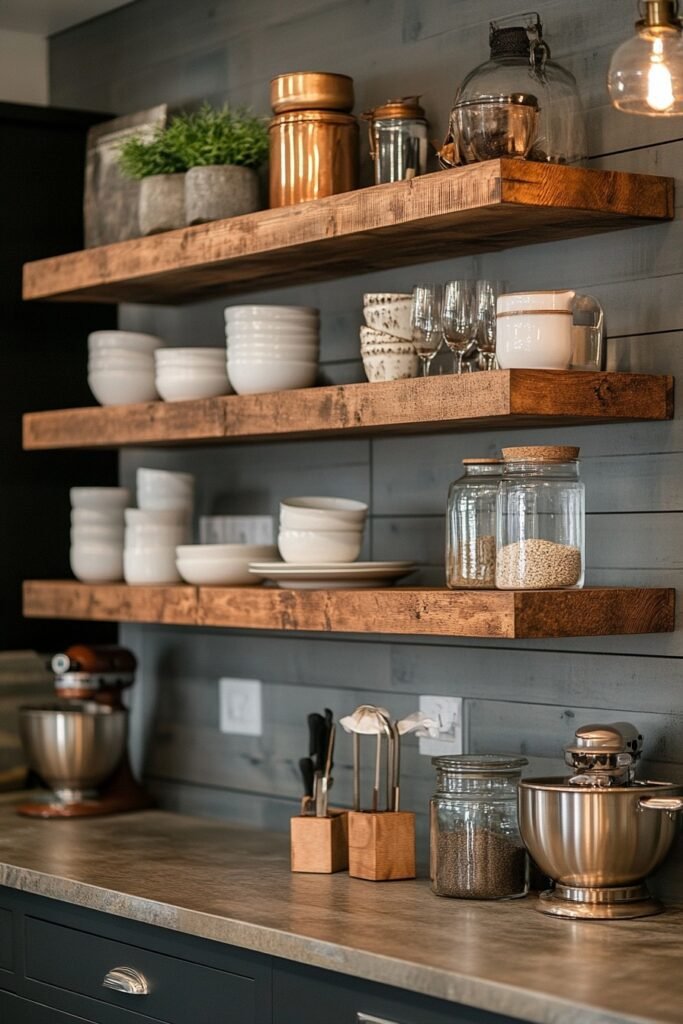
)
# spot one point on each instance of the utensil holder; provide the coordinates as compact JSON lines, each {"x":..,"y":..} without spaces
{"x":319,"y":845}
{"x":381,"y":845}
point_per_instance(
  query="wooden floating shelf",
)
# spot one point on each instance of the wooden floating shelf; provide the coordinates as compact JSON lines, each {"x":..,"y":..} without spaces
{"x":498,"y":614}
{"x":480,"y":208}
{"x":504,"y":398}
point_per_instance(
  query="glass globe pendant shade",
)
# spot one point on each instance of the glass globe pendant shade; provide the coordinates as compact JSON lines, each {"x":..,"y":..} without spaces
{"x":646,"y":73}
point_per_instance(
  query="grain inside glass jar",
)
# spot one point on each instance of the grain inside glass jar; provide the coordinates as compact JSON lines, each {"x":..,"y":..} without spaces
{"x":471,"y":526}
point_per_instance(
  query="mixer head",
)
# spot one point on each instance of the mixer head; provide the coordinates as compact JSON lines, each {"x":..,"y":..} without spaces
{"x":604,"y":755}
{"x":96,"y":673}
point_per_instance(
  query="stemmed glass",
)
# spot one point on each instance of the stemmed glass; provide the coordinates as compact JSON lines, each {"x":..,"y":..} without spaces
{"x":425,"y":319}
{"x":487,"y":297}
{"x":459,"y":321}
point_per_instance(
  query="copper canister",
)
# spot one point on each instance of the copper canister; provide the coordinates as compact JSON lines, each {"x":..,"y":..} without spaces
{"x":313,"y":153}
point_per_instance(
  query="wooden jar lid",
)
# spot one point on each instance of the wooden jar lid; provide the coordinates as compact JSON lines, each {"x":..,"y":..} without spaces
{"x":481,"y":462}
{"x":541,"y":453}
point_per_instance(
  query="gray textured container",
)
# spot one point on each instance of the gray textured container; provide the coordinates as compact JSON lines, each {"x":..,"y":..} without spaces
{"x":219,"y":191}
{"x":162,"y":203}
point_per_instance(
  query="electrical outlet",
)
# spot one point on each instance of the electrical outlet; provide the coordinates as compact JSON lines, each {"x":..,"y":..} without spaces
{"x":448,"y":712}
{"x":240,"y":707}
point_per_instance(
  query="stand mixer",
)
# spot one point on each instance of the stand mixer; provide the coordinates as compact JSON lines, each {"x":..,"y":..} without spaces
{"x":600,"y":832}
{"x":77,"y":744}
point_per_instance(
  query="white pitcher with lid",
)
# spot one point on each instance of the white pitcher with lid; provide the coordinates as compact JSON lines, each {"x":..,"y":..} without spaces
{"x":534,"y":330}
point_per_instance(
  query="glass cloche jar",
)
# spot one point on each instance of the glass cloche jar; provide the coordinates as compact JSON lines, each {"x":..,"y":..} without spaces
{"x":520,"y":69}
{"x":471,"y":526}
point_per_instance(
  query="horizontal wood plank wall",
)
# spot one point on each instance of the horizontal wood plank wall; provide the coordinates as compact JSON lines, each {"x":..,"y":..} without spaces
{"x":527,"y":697}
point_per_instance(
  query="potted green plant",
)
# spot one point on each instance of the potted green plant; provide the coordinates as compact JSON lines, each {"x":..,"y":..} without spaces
{"x":221,"y":149}
{"x":160,"y":168}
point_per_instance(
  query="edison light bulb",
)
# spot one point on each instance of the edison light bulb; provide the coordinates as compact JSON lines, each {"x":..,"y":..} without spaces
{"x":660,"y":93}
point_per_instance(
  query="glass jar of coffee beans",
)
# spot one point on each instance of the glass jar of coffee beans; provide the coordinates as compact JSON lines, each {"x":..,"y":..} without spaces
{"x":540,"y":519}
{"x":476,"y":851}
{"x":471,"y":526}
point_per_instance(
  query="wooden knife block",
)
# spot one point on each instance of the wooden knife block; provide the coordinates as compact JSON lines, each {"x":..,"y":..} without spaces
{"x":381,"y":845}
{"x":320,"y":845}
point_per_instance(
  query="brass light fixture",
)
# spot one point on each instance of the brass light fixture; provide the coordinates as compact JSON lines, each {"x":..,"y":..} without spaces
{"x":646,"y":73}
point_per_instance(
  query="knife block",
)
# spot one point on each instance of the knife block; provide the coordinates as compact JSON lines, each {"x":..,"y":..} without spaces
{"x":381,"y":845}
{"x":320,"y":845}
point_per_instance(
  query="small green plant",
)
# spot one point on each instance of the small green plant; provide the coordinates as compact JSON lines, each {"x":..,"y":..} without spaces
{"x":204,"y":138}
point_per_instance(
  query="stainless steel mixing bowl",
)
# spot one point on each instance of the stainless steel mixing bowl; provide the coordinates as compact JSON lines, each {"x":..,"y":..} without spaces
{"x":586,"y":837}
{"x":73,"y":746}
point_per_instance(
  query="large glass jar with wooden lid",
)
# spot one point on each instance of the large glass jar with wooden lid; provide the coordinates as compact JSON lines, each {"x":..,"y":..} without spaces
{"x":471,"y":526}
{"x":540,"y":519}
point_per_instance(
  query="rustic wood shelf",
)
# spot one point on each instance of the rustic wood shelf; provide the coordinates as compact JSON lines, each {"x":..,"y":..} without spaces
{"x":504,"y":398}
{"x":401,"y":610}
{"x":480,"y":208}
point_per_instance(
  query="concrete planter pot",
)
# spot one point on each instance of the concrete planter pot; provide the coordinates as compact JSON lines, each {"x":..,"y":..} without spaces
{"x":162,"y":203}
{"x":216,"y":192}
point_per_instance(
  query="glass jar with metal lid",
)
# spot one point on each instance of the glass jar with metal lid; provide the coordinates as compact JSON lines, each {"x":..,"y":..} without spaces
{"x":476,"y":851}
{"x":471,"y":526}
{"x":398,"y":139}
{"x":540,"y":519}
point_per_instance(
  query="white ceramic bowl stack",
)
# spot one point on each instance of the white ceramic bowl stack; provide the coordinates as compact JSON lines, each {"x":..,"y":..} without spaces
{"x":386,"y":338}
{"x":183,"y":374}
{"x":225,"y":565}
{"x":155,"y":529}
{"x":121,"y":366}
{"x":272,"y":348}
{"x":96,"y":554}
{"x":314,"y":530}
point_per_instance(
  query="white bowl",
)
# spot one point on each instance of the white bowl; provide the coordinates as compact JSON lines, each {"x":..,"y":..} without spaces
{"x":155,"y":535}
{"x":215,"y":571}
{"x":390,"y":366}
{"x":134,"y":340}
{"x":164,"y":355}
{"x":155,"y":517}
{"x":390,"y":317}
{"x":267,"y":343}
{"x":308,"y":546}
{"x":262,"y":329}
{"x":118,"y":359}
{"x":164,"y":482}
{"x":97,"y":534}
{"x":257,"y":377}
{"x":188,"y":385}
{"x":270,"y":313}
{"x":385,"y":298}
{"x":252,"y":552}
{"x":369,"y":336}
{"x":99,"y":499}
{"x":289,"y":354}
{"x":152,"y":502}
{"x":96,"y":517}
{"x":150,"y":565}
{"x":99,"y":563}
{"x":122,"y":387}
{"x":321,"y":508}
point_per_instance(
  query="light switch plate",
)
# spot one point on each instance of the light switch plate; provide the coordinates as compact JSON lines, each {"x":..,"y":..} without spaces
{"x":448,"y":712}
{"x":240,"y":706}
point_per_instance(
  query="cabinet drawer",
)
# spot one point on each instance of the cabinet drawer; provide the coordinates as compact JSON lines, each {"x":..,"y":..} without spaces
{"x":14,"y":1010}
{"x":6,"y":940}
{"x":308,"y":996}
{"x":179,"y":990}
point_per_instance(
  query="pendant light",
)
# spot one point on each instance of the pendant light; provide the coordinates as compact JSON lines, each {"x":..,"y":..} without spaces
{"x":646,"y":73}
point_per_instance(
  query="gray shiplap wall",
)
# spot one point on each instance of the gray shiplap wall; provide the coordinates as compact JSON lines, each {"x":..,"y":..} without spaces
{"x":526,"y":697}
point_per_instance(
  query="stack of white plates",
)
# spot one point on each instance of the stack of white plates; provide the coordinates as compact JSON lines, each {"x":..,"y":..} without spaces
{"x":121,"y":366}
{"x":97,"y":533}
{"x":314,"y":530}
{"x":225,"y":565}
{"x":331,"y":575}
{"x":158,"y":526}
{"x":272,"y":348}
{"x":187,"y":373}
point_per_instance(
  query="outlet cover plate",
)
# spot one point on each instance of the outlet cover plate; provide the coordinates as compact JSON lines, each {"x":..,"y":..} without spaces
{"x":240,"y":707}
{"x":448,"y":711}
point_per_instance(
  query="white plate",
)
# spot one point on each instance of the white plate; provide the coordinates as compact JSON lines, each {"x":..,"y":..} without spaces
{"x":330,"y":575}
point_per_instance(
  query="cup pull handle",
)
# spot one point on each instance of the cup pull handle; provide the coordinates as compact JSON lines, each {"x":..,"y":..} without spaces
{"x":661,"y":803}
{"x":366,"y":1018}
{"x":127,"y":980}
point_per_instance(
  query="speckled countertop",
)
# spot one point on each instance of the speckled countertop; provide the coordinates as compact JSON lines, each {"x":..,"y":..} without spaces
{"x":233,"y":885}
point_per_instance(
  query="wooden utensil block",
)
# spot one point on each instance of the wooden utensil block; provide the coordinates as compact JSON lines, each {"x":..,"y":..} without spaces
{"x":381,"y":845}
{"x":320,"y":845}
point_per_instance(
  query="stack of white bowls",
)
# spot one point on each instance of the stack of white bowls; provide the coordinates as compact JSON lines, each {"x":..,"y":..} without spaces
{"x":386,"y":345}
{"x":121,"y":366}
{"x":225,"y":565}
{"x":272,"y":348}
{"x":187,"y":373}
{"x":158,"y":526}
{"x":97,"y":533}
{"x":315,"y":530}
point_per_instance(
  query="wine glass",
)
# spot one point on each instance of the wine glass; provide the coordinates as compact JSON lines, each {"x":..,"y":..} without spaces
{"x":487,"y":297}
{"x":459,"y":319}
{"x":425,"y":319}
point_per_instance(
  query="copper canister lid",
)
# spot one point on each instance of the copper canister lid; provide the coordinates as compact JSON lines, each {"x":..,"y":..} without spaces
{"x":541,"y":453}
{"x":311,"y":90}
{"x":407,"y":107}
